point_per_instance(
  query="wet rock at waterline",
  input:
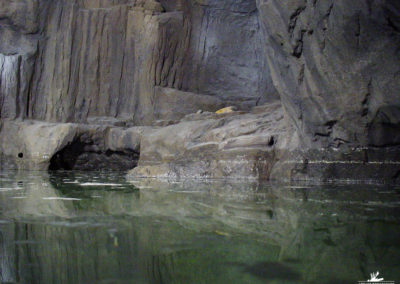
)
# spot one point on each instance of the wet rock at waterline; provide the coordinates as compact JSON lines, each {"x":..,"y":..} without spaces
{"x":201,"y":145}
{"x":235,"y":144}
{"x":67,"y":146}
{"x":315,"y":84}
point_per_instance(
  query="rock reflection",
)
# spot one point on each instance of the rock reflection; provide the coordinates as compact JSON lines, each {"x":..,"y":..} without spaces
{"x":270,"y":270}
{"x":54,"y":230}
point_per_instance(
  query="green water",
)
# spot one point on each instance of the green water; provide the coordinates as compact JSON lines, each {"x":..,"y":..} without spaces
{"x":97,"y":228}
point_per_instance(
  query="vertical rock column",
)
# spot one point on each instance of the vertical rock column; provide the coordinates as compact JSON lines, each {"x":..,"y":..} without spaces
{"x":9,"y":85}
{"x":158,"y":43}
{"x":15,"y":78}
{"x":105,"y":58}
{"x":19,"y":34}
{"x":81,"y":63}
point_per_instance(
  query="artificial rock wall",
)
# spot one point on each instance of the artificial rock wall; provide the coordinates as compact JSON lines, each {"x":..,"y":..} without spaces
{"x":65,"y":61}
{"x":329,"y":70}
{"x":336,"y":67}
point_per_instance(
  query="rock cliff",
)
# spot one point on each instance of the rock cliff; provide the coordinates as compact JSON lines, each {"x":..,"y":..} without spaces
{"x":315,"y":84}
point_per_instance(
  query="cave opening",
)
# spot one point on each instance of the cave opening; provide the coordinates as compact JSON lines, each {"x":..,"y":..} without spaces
{"x":84,"y":156}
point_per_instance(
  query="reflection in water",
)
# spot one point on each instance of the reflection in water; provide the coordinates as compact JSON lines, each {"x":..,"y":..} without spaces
{"x":73,"y":227}
{"x":270,"y":270}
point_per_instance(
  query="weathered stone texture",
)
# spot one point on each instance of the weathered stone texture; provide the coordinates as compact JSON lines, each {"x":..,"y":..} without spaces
{"x":104,"y":58}
{"x":335,"y":65}
{"x":171,"y":104}
{"x":36,"y":145}
{"x":214,"y":146}
{"x":227,"y":52}
{"x":332,"y":67}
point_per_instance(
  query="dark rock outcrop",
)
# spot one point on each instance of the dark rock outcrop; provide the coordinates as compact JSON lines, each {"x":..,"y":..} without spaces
{"x":329,"y":70}
{"x":335,"y":65}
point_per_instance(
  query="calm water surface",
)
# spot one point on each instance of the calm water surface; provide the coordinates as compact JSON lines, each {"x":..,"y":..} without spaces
{"x":96,"y":228}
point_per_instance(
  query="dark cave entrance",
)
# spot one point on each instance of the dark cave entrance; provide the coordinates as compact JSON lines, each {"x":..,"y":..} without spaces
{"x":90,"y":157}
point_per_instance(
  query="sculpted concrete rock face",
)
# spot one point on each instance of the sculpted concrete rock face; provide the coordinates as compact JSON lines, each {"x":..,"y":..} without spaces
{"x":35,"y":145}
{"x":336,"y":67}
{"x":325,"y":73}
{"x":19,"y":26}
{"x":64,"y":61}
{"x":215,"y":146}
{"x":226,"y":52}
{"x":89,"y":61}
{"x":172,"y":104}
{"x":21,"y":14}
{"x":31,"y":145}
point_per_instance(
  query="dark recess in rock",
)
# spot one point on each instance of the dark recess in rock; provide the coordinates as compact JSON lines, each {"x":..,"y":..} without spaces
{"x":385,"y":127}
{"x":81,"y":156}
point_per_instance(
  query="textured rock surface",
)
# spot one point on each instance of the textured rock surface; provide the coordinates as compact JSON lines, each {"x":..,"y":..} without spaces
{"x":214,"y":146}
{"x":336,"y":67}
{"x":171,"y":104}
{"x":33,"y":145}
{"x":333,"y":66}
{"x":68,"y":60}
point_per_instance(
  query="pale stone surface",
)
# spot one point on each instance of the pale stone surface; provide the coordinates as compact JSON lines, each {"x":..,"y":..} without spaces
{"x":172,"y":104}
{"x":35,"y":145}
{"x":31,"y":145}
{"x":227,"y":145}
